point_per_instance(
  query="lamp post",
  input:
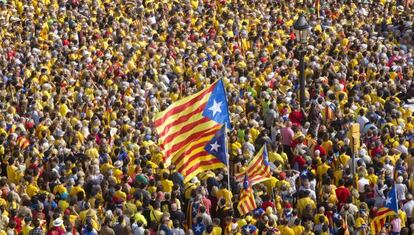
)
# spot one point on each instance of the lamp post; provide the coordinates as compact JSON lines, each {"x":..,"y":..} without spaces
{"x":301,"y":30}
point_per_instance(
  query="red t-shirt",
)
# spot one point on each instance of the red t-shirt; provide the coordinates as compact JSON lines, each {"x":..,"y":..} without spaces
{"x":322,"y":151}
{"x":296,"y":117}
{"x":342,"y":193}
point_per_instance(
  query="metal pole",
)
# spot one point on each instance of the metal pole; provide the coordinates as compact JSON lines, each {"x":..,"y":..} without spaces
{"x":227,"y":157}
{"x":302,"y":77}
{"x":353,"y":155}
{"x":353,"y":163}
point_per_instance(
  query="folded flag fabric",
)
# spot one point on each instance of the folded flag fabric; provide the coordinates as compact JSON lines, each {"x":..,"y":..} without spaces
{"x":258,"y":169}
{"x":246,"y":202}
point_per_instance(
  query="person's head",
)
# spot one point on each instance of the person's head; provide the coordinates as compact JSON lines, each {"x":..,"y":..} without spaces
{"x":199,"y":219}
{"x":321,"y":210}
{"x":176,"y":223}
{"x":36,"y":223}
{"x":216,"y":221}
{"x":321,"y":219}
{"x":202,"y":209}
{"x":165,"y":219}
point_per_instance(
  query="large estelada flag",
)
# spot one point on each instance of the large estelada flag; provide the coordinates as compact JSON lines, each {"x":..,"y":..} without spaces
{"x":187,"y":127}
{"x":258,"y":169}
{"x":390,"y":208}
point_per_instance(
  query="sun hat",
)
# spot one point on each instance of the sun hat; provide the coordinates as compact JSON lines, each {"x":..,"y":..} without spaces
{"x":57,"y":222}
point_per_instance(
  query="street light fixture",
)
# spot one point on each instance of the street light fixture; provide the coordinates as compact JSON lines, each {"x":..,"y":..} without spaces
{"x":301,"y":30}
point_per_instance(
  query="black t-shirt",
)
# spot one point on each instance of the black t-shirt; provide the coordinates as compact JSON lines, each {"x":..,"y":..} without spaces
{"x":177,"y":215}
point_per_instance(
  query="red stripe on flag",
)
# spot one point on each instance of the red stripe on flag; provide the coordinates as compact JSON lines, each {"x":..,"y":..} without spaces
{"x":255,"y":170}
{"x":182,"y":107}
{"x":191,"y":159}
{"x":248,"y":170}
{"x":182,"y":119}
{"x":193,"y":137}
{"x":382,"y":212}
{"x":184,"y":129}
{"x":188,"y":151}
{"x":200,"y":164}
{"x":252,"y":202}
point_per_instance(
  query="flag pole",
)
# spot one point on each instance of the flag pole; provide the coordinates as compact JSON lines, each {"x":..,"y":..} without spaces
{"x":227,"y":157}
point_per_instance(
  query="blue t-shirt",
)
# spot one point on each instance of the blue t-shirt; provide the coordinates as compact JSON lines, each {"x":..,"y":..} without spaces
{"x":166,"y":229}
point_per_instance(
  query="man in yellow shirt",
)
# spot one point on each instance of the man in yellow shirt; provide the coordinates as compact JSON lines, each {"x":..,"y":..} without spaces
{"x":305,"y":201}
{"x":297,"y":227}
{"x":166,"y":183}
{"x":322,"y":168}
{"x":225,"y":193}
{"x":217,"y":230}
{"x":31,"y":188}
{"x":27,"y":226}
{"x":284,"y":228}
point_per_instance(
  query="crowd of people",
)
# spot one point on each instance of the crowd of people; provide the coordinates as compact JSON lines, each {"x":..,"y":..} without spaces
{"x":81,"y":80}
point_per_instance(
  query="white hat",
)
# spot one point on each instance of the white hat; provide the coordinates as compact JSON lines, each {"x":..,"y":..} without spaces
{"x":57,"y":222}
{"x":118,"y":164}
{"x":195,"y":180}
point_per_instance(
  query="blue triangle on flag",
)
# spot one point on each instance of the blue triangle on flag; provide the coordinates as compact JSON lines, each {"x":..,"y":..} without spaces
{"x":246,"y":183}
{"x":217,"y":145}
{"x":217,"y":107}
{"x":391,"y":201}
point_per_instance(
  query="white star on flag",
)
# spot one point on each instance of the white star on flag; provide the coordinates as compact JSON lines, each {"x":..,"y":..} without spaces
{"x":387,"y":201}
{"x":247,"y":229}
{"x":215,"y":108}
{"x":215,"y":146}
{"x":198,"y":228}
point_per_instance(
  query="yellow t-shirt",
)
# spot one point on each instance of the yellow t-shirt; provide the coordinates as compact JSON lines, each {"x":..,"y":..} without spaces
{"x":344,"y":158}
{"x":217,"y":230}
{"x":322,"y":169}
{"x":303,"y":202}
{"x":75,"y":190}
{"x":92,"y":153}
{"x":270,"y":183}
{"x":318,"y":216}
{"x":286,"y":230}
{"x":167,"y":185}
{"x":11,"y":173}
{"x":63,"y":110}
{"x":156,"y":215}
{"x":373,"y":179}
{"x":120,"y":194}
{"x":359,"y":222}
{"x":32,"y":190}
{"x":273,"y":156}
{"x":140,"y":218}
{"x":298,"y":229}
{"x":226,"y":194}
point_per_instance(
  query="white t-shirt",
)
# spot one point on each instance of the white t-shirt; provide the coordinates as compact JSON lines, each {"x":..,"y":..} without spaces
{"x":361,"y":184}
{"x":408,"y":208}
{"x":401,"y":191}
